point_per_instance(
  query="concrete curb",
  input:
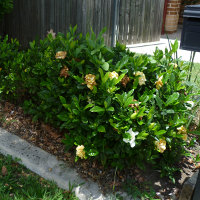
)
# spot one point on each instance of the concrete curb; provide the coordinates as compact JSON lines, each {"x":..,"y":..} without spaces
{"x":188,"y":187}
{"x":197,"y":188}
{"x":48,"y":167}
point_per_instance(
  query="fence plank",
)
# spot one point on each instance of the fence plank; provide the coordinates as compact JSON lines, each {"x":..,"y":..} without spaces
{"x":79,"y":15}
{"x":126,"y":20}
{"x":160,"y":20}
{"x":105,"y":23}
{"x":147,"y":21}
{"x":131,"y":21}
{"x":121,"y":21}
{"x":110,"y":10}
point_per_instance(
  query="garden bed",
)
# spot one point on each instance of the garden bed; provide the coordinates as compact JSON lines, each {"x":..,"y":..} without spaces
{"x":137,"y":182}
{"x":114,"y":113}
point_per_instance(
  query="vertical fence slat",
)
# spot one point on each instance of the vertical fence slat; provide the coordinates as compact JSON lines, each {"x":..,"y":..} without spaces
{"x":160,"y":19}
{"x":131,"y":22}
{"x":121,"y":19}
{"x":84,"y":17}
{"x":105,"y":22}
{"x":147,"y":21}
{"x":92,"y":15}
{"x":79,"y":14}
{"x":136,"y":25}
{"x":141,"y":20}
{"x":109,"y":24}
{"x":99,"y":8}
{"x":88,"y":15}
{"x":126,"y":21}
{"x":152,"y":20}
{"x":110,"y":3}
{"x":156,"y":13}
{"x":67,"y":14}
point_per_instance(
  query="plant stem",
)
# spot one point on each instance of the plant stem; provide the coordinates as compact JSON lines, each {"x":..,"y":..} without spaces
{"x":191,"y":64}
{"x":114,"y":179}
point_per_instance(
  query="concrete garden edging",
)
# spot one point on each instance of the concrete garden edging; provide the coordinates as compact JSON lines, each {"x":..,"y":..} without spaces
{"x":48,"y":167}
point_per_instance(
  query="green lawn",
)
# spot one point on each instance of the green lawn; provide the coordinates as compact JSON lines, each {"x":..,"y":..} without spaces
{"x":196,"y":73}
{"x":19,"y":183}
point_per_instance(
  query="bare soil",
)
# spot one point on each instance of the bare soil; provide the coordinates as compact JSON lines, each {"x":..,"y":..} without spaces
{"x":13,"y":119}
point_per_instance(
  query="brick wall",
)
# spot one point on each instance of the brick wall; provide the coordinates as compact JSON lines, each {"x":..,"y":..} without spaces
{"x":172,"y":17}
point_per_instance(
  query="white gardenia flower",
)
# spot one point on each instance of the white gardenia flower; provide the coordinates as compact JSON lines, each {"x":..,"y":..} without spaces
{"x":189,"y":105}
{"x":142,"y":77}
{"x":132,"y":139}
{"x":89,"y":100}
{"x":113,"y":75}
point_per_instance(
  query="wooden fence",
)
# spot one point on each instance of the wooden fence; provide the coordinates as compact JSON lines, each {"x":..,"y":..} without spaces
{"x":137,"y":20}
{"x":140,"y":21}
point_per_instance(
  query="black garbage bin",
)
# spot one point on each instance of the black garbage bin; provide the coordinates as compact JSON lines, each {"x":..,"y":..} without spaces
{"x":190,"y":38}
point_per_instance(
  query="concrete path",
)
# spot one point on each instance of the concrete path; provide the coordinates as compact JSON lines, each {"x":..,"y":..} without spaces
{"x":149,"y":48}
{"x":47,"y":166}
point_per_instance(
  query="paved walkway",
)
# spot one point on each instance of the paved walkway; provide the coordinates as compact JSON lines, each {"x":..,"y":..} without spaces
{"x":149,"y":48}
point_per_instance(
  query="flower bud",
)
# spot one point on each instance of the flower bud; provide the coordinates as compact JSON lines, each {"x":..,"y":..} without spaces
{"x":134,"y":115}
{"x":151,"y":126}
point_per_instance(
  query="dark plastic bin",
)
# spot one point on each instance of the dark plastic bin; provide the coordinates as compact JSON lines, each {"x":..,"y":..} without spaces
{"x":190,"y":37}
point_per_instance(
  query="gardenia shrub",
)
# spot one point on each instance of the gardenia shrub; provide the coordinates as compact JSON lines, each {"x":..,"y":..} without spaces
{"x":115,"y":106}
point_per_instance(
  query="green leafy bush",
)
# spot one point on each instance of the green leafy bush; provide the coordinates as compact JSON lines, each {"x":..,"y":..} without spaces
{"x":118,"y":107}
{"x":5,"y":7}
{"x":11,"y":63}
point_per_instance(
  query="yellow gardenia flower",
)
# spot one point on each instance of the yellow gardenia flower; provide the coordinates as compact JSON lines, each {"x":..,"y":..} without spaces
{"x":61,"y":55}
{"x":159,"y":83}
{"x":174,"y":64}
{"x":80,"y":151}
{"x":161,"y":145}
{"x":0,"y":69}
{"x":90,"y":81}
{"x":113,"y":75}
{"x":142,"y":78}
{"x":182,"y":130}
{"x":152,"y":125}
{"x":184,"y":137}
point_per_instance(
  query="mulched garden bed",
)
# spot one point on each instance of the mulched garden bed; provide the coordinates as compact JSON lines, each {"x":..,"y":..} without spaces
{"x":13,"y":119}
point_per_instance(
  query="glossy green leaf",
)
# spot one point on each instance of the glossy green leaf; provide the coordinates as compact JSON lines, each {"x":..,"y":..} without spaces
{"x":97,"y":109}
{"x":128,"y":101}
{"x":172,"y":98}
{"x":62,"y":99}
{"x":159,"y":101}
{"x":88,"y":106}
{"x":63,"y":117}
{"x":111,"y":109}
{"x":142,"y":135}
{"x":141,"y":112}
{"x":105,"y":66}
{"x":101,"y":129}
{"x":161,"y":132}
{"x":93,"y":152}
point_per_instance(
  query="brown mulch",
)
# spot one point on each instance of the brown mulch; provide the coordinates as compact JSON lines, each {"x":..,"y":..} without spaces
{"x":13,"y":119}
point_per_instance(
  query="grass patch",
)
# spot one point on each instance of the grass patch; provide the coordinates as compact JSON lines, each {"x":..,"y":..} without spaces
{"x":196,"y":74}
{"x":19,"y":183}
